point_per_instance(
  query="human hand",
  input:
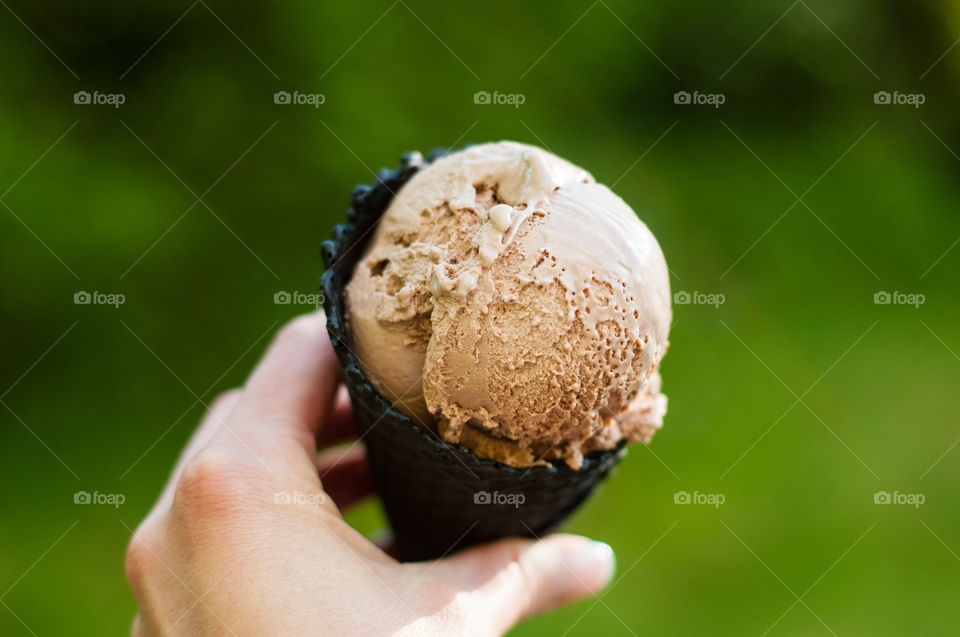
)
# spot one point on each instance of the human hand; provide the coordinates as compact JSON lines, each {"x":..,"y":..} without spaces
{"x":225,"y":551}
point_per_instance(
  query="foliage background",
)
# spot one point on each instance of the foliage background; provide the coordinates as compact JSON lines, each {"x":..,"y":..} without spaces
{"x":94,"y":198}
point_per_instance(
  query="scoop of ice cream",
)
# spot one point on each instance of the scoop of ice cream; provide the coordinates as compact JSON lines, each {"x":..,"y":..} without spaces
{"x":515,"y":307}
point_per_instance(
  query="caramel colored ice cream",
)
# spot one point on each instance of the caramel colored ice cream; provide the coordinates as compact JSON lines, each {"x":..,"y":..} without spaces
{"x":515,"y":307}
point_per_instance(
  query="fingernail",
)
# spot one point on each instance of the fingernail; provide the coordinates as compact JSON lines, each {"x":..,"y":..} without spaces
{"x":593,"y":562}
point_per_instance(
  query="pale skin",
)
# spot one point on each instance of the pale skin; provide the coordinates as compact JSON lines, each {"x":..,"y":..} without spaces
{"x":222,"y":554}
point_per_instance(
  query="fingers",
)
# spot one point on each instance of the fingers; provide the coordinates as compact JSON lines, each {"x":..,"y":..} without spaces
{"x":219,"y":411}
{"x":513,"y":579}
{"x":345,"y":475}
{"x":340,"y":424}
{"x":286,"y":399}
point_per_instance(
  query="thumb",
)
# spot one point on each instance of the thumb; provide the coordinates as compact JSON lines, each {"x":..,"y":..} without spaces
{"x":512,"y":579}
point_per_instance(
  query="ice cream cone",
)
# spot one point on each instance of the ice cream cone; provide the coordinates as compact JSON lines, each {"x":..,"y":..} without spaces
{"x":438,"y":497}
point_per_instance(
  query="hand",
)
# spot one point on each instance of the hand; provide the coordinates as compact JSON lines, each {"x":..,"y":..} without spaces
{"x":245,"y":540}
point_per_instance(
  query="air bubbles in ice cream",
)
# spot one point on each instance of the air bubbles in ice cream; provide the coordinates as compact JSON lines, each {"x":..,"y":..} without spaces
{"x":513,"y":306}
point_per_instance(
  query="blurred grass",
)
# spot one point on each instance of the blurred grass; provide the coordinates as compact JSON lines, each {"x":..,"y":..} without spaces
{"x":880,"y":415}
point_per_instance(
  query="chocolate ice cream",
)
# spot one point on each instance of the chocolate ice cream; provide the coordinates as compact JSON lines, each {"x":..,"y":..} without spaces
{"x":515,"y":307}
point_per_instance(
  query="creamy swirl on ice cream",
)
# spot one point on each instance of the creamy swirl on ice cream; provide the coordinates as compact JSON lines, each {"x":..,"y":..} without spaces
{"x":514,"y":306}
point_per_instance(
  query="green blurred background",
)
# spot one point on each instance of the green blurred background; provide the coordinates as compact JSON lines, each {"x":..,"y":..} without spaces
{"x":796,"y":399}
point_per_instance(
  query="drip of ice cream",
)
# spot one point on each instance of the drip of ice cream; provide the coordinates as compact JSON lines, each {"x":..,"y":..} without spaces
{"x":515,"y":307}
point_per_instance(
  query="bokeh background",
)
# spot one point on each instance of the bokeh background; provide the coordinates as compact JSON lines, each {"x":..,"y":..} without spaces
{"x":795,"y":202}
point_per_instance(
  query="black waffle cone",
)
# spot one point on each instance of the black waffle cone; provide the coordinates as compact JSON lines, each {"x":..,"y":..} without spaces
{"x":438,"y":497}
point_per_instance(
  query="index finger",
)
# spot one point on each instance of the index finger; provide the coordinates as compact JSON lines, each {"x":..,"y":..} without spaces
{"x":287,"y":397}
